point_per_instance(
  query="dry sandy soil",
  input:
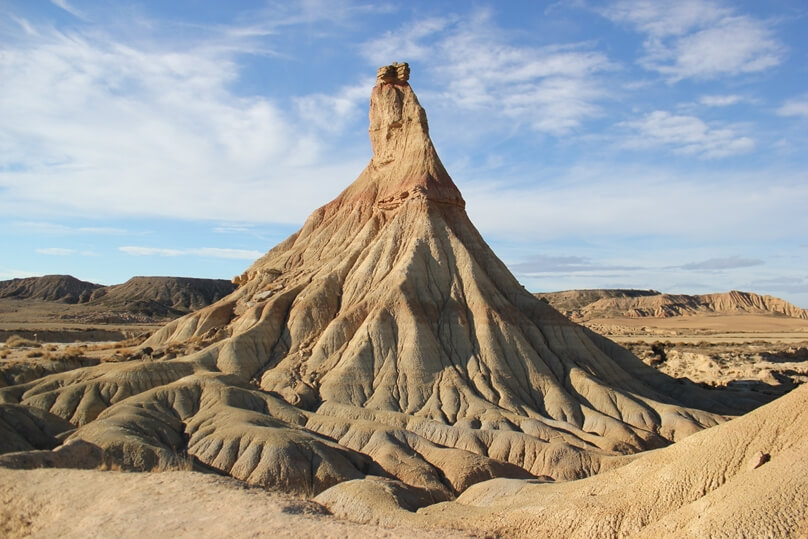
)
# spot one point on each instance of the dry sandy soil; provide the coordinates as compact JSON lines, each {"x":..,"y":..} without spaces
{"x":745,"y":478}
{"x":764,"y":353}
{"x":90,"y":503}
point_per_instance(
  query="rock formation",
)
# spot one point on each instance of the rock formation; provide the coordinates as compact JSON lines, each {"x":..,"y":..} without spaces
{"x":59,"y":288}
{"x":584,"y":305}
{"x":745,"y":478}
{"x":44,"y":304}
{"x":384,"y":338}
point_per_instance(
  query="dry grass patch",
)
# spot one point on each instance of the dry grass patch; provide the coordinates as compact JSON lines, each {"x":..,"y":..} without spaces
{"x":39,"y":353}
{"x":15,"y":341}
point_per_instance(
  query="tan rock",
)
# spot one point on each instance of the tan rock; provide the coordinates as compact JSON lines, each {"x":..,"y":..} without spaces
{"x":759,"y":459}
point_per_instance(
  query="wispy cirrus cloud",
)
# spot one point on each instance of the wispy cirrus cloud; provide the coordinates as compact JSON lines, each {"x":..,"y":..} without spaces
{"x":786,"y":284}
{"x":687,"y":135}
{"x":96,"y":125}
{"x":64,"y":251}
{"x":58,"y":229}
{"x":70,"y":8}
{"x":552,"y":89}
{"x":56,"y":251}
{"x":331,"y":112}
{"x":722,"y":100}
{"x":698,"y":38}
{"x":206,"y":252}
{"x":725,"y":263}
{"x":564,"y":264}
{"x":17,"y":274}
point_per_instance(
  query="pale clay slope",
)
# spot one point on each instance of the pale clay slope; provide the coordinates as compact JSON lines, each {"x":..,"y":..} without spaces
{"x":713,"y":484}
{"x":92,"y":504}
{"x":387,"y":340}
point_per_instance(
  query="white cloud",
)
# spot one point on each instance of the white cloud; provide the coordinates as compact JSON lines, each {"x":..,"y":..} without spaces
{"x":721,"y":100}
{"x":698,"y":38}
{"x":662,"y":19}
{"x":614,"y":200}
{"x":331,"y":112}
{"x":56,"y":251}
{"x":234,"y":228}
{"x":551,"y":89}
{"x":797,"y":106}
{"x":407,"y":43}
{"x":56,"y":229}
{"x":65,"y":5}
{"x":92,"y":125}
{"x":542,"y":263}
{"x":207,"y":252}
{"x":687,"y":135}
{"x":730,"y":262}
{"x":6,"y":274}
{"x":25,"y":25}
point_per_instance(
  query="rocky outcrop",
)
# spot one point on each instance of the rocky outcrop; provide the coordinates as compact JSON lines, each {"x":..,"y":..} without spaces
{"x":396,"y":73}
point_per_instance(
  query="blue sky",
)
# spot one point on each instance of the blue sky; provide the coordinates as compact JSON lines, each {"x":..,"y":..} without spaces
{"x":632,"y":143}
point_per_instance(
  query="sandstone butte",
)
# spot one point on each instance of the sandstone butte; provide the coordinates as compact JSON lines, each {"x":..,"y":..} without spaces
{"x":383,"y":359}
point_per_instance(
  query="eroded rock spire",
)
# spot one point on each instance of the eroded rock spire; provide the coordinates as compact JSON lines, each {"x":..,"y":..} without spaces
{"x":395,"y":73}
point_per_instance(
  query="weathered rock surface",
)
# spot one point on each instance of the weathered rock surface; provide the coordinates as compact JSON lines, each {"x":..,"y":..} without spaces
{"x":24,"y":428}
{"x":161,"y":296}
{"x":385,"y":339}
{"x":716,"y":483}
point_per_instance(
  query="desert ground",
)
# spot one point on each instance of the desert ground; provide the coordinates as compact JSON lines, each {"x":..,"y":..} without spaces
{"x":767,"y":353}
{"x":90,"y":503}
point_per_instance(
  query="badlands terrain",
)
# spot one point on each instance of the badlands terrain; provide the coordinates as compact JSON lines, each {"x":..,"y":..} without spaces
{"x":381,"y":372}
{"x":736,"y":339}
{"x":61,"y":308}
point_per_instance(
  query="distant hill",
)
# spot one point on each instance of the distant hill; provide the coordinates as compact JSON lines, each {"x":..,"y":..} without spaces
{"x":138,"y":299}
{"x":59,"y":288}
{"x":162,"y":296}
{"x":583,"y":305}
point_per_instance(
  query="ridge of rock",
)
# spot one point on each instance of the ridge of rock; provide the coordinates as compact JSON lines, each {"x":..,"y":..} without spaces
{"x":59,"y":288}
{"x":582,"y":305}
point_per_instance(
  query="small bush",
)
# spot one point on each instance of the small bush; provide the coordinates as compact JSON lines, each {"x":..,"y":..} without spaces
{"x":73,"y":352}
{"x":658,"y":350}
{"x":15,"y":341}
{"x":38,"y":353}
